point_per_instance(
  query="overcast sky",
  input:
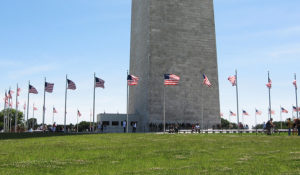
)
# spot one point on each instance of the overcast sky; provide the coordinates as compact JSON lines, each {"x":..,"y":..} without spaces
{"x":76,"y":37}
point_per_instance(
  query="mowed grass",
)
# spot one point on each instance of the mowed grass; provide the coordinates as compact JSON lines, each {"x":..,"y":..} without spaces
{"x":151,"y":154}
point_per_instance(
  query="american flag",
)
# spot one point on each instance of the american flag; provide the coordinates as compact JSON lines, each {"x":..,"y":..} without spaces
{"x":206,"y":81}
{"x":35,"y":108}
{"x":11,"y":104}
{"x":295,"y":83}
{"x":272,"y":112}
{"x":295,"y":109}
{"x":132,"y":80}
{"x":269,"y":84}
{"x":78,"y":113}
{"x":258,"y":112}
{"x":54,"y":110}
{"x":6,"y":98}
{"x":10,"y":92}
{"x":232,"y":113}
{"x":171,"y":79}
{"x":71,"y":85}
{"x":284,"y":110}
{"x":18,"y":91}
{"x":24,"y":107}
{"x":32,"y":90}
{"x":232,"y":80}
{"x":49,"y":87}
{"x":99,"y":82}
{"x":245,"y":112}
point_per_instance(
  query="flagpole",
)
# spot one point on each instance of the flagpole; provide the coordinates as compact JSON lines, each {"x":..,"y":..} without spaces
{"x":202,"y":101}
{"x":28,"y":106}
{"x":44,"y":108}
{"x":65,"y":117}
{"x":4,"y":117}
{"x":9,"y":107}
{"x":77,"y":120}
{"x":237,"y":100}
{"x":280,"y":117}
{"x":270,"y":108}
{"x":296,"y":92}
{"x":127,"y":103}
{"x":255,"y":122}
{"x":24,"y":111}
{"x":53,"y":115}
{"x":164,"y":109}
{"x":93,"y":129}
{"x":16,"y":114}
{"x":33,"y":117}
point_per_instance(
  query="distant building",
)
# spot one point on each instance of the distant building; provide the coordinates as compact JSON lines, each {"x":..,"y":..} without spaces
{"x":113,"y":123}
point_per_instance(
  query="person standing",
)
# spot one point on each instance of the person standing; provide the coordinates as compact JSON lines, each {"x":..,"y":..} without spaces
{"x":269,"y":126}
{"x":124,"y":125}
{"x":289,"y":125}
{"x":134,"y":127}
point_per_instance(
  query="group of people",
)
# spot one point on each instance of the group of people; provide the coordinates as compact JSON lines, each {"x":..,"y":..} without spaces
{"x":133,"y":125}
{"x":293,"y":126}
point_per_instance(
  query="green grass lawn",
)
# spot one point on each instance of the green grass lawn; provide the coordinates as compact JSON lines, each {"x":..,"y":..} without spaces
{"x":151,"y":154}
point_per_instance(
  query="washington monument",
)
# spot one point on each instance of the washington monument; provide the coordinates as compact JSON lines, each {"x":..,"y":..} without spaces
{"x":174,"y":37}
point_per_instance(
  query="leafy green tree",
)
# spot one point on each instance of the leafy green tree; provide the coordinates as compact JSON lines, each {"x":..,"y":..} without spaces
{"x":11,"y":113}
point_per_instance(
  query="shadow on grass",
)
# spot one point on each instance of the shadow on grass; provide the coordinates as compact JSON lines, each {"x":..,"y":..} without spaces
{"x":6,"y":136}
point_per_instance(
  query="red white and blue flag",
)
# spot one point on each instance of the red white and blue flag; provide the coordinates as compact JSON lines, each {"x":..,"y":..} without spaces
{"x":18,"y":91}
{"x":10,"y":92}
{"x":232,"y":113}
{"x":245,"y":112}
{"x":99,"y":82}
{"x":78,"y":113}
{"x":232,"y":80}
{"x":295,"y":109}
{"x":171,"y":79}
{"x":258,"y":112}
{"x":295,"y":83}
{"x":54,"y":110}
{"x":71,"y":85}
{"x":35,"y":108}
{"x":49,"y":87}
{"x":206,"y":81}
{"x":272,"y":112}
{"x":32,"y":90}
{"x":269,"y":84}
{"x":284,"y":110}
{"x":132,"y":80}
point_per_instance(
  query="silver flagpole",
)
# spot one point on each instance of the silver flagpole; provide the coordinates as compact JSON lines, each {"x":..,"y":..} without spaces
{"x":93,"y":129}
{"x":280,"y":117}
{"x":164,"y":110}
{"x":33,"y":117}
{"x":127,"y":103}
{"x":255,"y":121}
{"x":65,"y":127}
{"x":27,"y":127}
{"x":53,"y":115}
{"x":16,"y":114}
{"x":270,"y":108}
{"x":296,"y":92}
{"x":24,"y":115}
{"x":9,"y":107}
{"x":44,"y":107}
{"x":77,"y":120}
{"x":237,"y":100}
{"x":5,"y":113}
{"x":202,"y":106}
